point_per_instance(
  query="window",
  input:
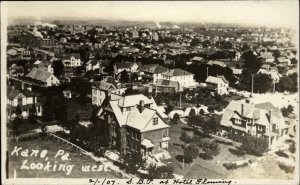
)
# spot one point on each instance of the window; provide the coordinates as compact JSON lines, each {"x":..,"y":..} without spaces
{"x":128,"y":108}
{"x":155,"y":121}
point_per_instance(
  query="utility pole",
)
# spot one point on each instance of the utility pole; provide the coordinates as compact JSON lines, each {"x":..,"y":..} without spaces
{"x":206,"y":72}
{"x":252,"y":76}
{"x":180,"y":101}
{"x":274,"y":87}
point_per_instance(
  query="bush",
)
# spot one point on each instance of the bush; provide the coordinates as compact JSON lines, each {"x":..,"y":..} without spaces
{"x":211,"y":150}
{"x":190,"y":152}
{"x":161,"y":172}
{"x":292,"y":147}
{"x":254,"y":145}
{"x":176,"y":117}
{"x":230,"y":166}
{"x":187,"y":137}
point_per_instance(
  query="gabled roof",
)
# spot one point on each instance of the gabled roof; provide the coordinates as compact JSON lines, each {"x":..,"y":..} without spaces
{"x":216,"y":80}
{"x":68,"y":57}
{"x":214,"y":62}
{"x":13,"y":92}
{"x":124,"y":65}
{"x":259,"y":112}
{"x":177,"y":72}
{"x":132,"y":100}
{"x":105,"y":84}
{"x":266,"y":56}
{"x":197,"y":59}
{"x":39,"y":75}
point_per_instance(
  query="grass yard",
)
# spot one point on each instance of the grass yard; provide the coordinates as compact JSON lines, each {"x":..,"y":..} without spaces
{"x":201,"y":167}
{"x":77,"y":159}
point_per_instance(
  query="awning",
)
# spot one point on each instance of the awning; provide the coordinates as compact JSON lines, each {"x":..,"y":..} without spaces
{"x":147,"y":143}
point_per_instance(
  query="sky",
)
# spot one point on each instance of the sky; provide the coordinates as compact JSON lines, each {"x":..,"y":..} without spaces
{"x":267,"y":13}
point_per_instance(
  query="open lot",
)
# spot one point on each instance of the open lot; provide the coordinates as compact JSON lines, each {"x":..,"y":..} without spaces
{"x":76,"y":158}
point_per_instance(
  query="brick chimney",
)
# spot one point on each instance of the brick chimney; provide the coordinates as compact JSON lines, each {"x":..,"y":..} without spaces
{"x":142,"y":106}
{"x":242,"y":109}
{"x":271,"y":114}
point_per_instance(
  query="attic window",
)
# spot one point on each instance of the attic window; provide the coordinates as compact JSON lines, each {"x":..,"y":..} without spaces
{"x":155,"y":121}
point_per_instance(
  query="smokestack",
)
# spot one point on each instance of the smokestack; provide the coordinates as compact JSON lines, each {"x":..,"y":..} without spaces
{"x":142,"y":105}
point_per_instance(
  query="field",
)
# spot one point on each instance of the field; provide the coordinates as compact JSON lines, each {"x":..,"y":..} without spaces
{"x":76,"y":158}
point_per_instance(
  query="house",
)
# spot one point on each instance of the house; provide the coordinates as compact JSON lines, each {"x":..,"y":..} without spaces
{"x":130,"y":67}
{"x":218,"y":84}
{"x":72,"y":60}
{"x":271,"y":71}
{"x":44,"y":66}
{"x":197,"y":59}
{"x":184,"y":78}
{"x":262,"y":120}
{"x":92,"y":65}
{"x":218,"y":63}
{"x":23,"y":98}
{"x":133,"y":125}
{"x":43,"y":78}
{"x":101,"y":90}
{"x":266,"y":58}
{"x":152,"y":72}
{"x":282,"y":61}
{"x":166,"y":86}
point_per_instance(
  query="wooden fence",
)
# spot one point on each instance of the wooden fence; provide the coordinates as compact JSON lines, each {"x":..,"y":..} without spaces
{"x":67,"y":142}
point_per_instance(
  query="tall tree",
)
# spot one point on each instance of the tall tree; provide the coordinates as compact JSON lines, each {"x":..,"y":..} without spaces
{"x":124,"y":77}
{"x":58,"y":68}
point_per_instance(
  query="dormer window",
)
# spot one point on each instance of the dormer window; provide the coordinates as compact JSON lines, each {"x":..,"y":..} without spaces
{"x":155,"y":121}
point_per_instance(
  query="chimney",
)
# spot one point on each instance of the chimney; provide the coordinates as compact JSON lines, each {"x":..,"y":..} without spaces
{"x":22,"y":85}
{"x":242,"y":109}
{"x":270,"y":114}
{"x":142,"y":106}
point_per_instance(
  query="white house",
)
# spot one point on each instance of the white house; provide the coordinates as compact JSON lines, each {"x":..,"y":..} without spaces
{"x":23,"y":98}
{"x":130,"y":67}
{"x":72,"y":60}
{"x":91,"y":65}
{"x":262,"y":120}
{"x":218,"y":84}
{"x":185,"y":79}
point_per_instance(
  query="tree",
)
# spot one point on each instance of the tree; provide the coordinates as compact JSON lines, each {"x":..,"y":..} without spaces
{"x":58,"y":68}
{"x":210,"y":109}
{"x":212,"y":149}
{"x":192,"y":112}
{"x":134,"y":77}
{"x":160,"y":172}
{"x":285,"y":84}
{"x":290,"y":109}
{"x":190,"y":152}
{"x":211,"y":126}
{"x":176,"y":117}
{"x":195,"y":120}
{"x":187,"y":137}
{"x":32,"y":114}
{"x":18,"y":111}
{"x":254,"y":145}
{"x":133,"y":161}
{"x":124,"y":77}
{"x":263,"y":83}
{"x":201,"y":112}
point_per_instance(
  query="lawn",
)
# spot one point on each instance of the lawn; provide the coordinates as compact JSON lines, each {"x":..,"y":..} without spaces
{"x":77,"y":159}
{"x":201,"y":167}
